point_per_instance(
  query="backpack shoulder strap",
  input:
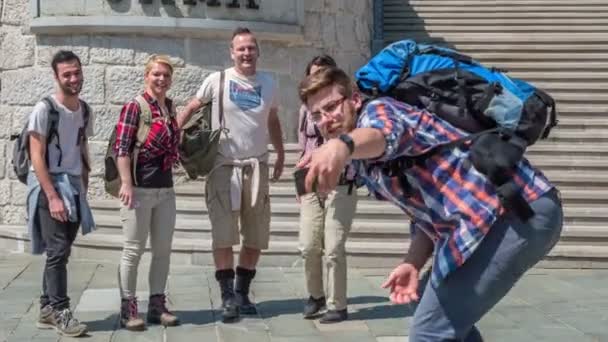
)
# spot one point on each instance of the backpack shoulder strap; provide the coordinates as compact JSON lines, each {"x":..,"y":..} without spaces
{"x":53,"y":118}
{"x":220,"y":100}
{"x":86,"y":114}
{"x":52,"y":128}
{"x":145,"y":121}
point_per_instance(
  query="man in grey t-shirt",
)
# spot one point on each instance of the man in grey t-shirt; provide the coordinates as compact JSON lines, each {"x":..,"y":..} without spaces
{"x":59,"y":179}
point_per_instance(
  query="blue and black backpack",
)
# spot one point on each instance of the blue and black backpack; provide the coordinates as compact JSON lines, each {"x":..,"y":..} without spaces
{"x":504,"y":115}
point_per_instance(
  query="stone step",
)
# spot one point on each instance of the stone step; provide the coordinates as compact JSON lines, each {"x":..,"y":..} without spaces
{"x":408,"y":13}
{"x":286,"y":228}
{"x":196,"y":209}
{"x":424,"y":7}
{"x":390,"y":21}
{"x":523,"y":47}
{"x":292,"y":150}
{"x":540,"y":56}
{"x":287,"y":192}
{"x":474,"y":27}
{"x":292,"y":156}
{"x":574,"y":134}
{"x":533,"y":37}
{"x":284,"y":253}
{"x":481,"y":3}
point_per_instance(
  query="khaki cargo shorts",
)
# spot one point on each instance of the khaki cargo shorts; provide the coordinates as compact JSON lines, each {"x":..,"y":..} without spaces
{"x":254,"y":221}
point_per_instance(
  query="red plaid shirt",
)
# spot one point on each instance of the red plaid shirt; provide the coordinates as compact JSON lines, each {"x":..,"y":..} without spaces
{"x":162,"y":140}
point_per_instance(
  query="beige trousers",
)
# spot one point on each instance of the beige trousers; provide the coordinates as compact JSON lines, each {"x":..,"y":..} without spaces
{"x":154,"y":215}
{"x":323,"y":231}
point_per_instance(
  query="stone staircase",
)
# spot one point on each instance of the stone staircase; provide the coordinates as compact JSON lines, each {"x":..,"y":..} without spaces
{"x":560,"y":46}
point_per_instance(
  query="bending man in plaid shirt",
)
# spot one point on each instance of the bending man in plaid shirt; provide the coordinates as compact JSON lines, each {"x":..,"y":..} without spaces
{"x":481,"y":249}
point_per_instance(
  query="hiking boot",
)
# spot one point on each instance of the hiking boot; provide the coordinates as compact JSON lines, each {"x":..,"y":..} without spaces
{"x":334,"y":316}
{"x":129,"y":318}
{"x":67,"y":325}
{"x":313,"y":307}
{"x":242,"y":283}
{"x":158,"y":312}
{"x":230,"y":308}
{"x":46,"y":319}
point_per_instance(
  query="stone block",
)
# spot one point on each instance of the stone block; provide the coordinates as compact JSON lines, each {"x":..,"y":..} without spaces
{"x":16,"y":117}
{"x":147,"y":46}
{"x":6,"y":113}
{"x":363,"y":34}
{"x":186,"y":81}
{"x":16,"y":50}
{"x":62,"y":7}
{"x":350,"y":62}
{"x":93,"y":89}
{"x":4,"y":159}
{"x":5,"y":192}
{"x":289,"y":103}
{"x":329,"y":31}
{"x":112,"y":50}
{"x":299,"y":59}
{"x":95,"y":8}
{"x":361,"y":8}
{"x":124,"y":83}
{"x":18,"y":193}
{"x":97,"y":150}
{"x":315,"y":6}
{"x":208,"y":53}
{"x":27,"y":86}
{"x":49,"y":45}
{"x":346,"y":26}
{"x":15,"y":12}
{"x":106,"y":118}
{"x":312,"y":27}
{"x":12,"y":215}
{"x":274,"y":57}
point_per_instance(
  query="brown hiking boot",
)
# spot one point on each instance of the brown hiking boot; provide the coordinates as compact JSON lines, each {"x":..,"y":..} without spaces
{"x":158,"y":312}
{"x":129,"y":318}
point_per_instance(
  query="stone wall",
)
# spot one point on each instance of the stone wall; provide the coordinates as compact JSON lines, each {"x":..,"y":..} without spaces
{"x":113,"y":69}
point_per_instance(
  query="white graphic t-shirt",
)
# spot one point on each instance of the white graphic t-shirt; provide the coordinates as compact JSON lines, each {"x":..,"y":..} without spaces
{"x":247,"y":104}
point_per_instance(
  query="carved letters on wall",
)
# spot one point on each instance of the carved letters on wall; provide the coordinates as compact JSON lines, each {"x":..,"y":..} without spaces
{"x":251,"y":4}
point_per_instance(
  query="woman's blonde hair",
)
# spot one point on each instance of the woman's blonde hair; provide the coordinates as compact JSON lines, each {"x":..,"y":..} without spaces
{"x":162,"y":59}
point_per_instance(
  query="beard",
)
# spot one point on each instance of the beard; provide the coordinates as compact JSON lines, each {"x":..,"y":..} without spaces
{"x":71,"y":90}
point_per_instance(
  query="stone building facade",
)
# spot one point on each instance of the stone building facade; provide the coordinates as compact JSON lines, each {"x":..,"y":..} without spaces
{"x":115,"y":37}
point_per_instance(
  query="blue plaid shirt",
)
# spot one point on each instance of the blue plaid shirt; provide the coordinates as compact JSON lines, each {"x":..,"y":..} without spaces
{"x":450,"y":201}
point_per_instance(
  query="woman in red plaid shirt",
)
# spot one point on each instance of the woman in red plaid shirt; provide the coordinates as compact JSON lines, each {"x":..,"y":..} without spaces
{"x":146,"y":193}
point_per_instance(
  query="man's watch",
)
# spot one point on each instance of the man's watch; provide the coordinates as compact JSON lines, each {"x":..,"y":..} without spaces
{"x":345,"y":138}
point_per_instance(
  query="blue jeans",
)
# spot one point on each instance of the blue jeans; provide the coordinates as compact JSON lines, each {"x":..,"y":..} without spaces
{"x":450,"y":311}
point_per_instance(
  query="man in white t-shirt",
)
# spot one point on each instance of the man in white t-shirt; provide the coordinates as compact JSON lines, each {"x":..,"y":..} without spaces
{"x":238,"y":188}
{"x":57,"y":184}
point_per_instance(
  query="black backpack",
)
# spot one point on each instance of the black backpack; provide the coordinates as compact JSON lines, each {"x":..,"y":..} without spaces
{"x":21,"y":146}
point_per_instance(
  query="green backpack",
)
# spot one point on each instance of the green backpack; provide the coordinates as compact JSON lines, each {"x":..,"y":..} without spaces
{"x":199,"y":142}
{"x":111,"y":177}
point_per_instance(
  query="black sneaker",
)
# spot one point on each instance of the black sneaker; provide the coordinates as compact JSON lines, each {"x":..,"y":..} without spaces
{"x":313,"y":307}
{"x":46,"y":318}
{"x":334,"y":316}
{"x":67,"y":325}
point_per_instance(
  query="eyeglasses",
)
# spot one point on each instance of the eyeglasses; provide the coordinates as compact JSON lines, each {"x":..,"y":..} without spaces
{"x":327,"y":109}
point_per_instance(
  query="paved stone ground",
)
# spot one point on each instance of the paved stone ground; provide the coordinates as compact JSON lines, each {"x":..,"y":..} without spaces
{"x":547,"y":305}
